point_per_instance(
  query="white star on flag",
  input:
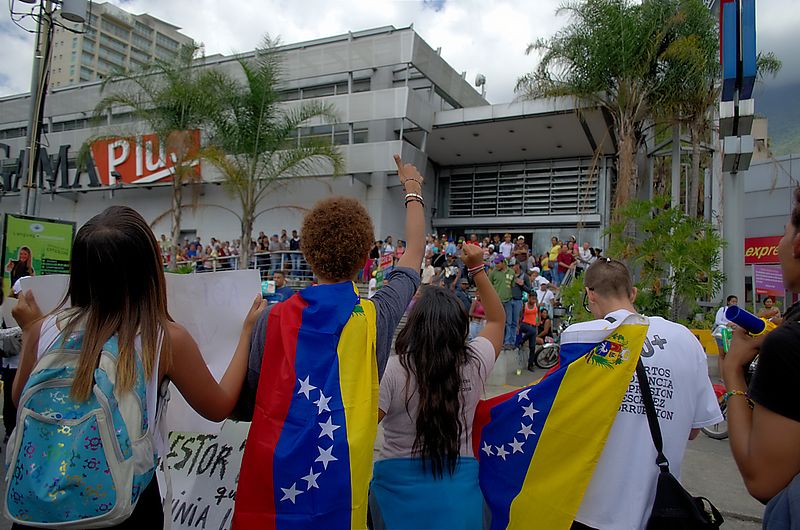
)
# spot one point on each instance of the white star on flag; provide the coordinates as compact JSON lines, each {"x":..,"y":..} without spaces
{"x":526,"y":430}
{"x":325,"y":456}
{"x":516,"y":446}
{"x":311,"y":478}
{"x":290,"y":493}
{"x":529,"y":411}
{"x":327,"y":428}
{"x":305,"y":387}
{"x":523,"y":395}
{"x":501,"y":451}
{"x":487,"y":449}
{"x":322,"y":403}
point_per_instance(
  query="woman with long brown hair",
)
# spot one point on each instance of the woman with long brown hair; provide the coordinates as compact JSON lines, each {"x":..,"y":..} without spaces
{"x":118,"y":302}
{"x":427,"y":403}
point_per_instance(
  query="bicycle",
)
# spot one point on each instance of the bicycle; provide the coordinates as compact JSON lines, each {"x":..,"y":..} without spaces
{"x":719,"y":431}
{"x":547,"y":355}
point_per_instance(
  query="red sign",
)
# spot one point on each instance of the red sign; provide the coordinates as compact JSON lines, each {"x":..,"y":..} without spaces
{"x":386,"y":261}
{"x":140,"y":159}
{"x":761,"y":250}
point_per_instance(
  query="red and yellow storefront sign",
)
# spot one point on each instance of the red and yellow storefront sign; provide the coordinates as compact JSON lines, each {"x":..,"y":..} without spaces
{"x":761,"y":250}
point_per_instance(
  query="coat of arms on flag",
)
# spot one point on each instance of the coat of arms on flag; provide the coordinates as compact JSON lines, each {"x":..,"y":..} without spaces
{"x":548,"y":437}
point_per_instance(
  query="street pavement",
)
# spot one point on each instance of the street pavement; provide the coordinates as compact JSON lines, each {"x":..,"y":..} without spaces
{"x":708,"y":467}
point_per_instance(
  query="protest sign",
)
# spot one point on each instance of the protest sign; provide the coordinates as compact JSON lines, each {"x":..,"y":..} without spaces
{"x":204,"y":470}
{"x":31,"y":243}
{"x":212,"y":307}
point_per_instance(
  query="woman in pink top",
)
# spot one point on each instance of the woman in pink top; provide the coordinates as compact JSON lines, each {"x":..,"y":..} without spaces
{"x":427,"y":402}
{"x":477,"y":317}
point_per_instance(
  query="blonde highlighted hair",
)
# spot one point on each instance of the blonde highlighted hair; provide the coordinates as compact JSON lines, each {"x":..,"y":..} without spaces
{"x":117,"y":287}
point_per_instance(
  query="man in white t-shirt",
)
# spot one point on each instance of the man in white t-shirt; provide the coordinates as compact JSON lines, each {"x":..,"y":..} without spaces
{"x":683,"y":397}
{"x":545,"y":297}
{"x":506,"y":247}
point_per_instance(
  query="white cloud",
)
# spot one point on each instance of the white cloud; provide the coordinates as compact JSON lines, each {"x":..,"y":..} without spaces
{"x":487,"y":37}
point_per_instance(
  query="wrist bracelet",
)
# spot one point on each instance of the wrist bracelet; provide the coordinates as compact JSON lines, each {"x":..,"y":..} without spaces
{"x":727,"y":395}
{"x":414,"y":199}
{"x":414,"y":195}
{"x":473,"y":273}
{"x":476,"y":268}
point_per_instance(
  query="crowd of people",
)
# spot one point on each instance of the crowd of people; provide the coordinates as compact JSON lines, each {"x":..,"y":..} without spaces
{"x":267,"y":253}
{"x":329,"y":344}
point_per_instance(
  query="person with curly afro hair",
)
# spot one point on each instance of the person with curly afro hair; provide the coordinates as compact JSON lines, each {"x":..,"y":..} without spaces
{"x":323,"y":351}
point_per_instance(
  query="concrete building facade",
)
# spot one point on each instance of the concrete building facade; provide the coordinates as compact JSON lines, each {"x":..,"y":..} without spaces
{"x":537,"y":168}
{"x":113,"y":40}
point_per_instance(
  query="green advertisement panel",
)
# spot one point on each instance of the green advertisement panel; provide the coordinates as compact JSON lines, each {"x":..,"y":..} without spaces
{"x":34,"y":246}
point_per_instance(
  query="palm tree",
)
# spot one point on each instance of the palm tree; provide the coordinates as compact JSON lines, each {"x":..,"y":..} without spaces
{"x":610,"y":55}
{"x":255,"y":139}
{"x":690,"y":84}
{"x":173,"y":98}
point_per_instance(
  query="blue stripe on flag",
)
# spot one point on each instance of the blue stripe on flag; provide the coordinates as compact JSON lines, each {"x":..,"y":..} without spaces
{"x":502,"y":477}
{"x":312,"y":458}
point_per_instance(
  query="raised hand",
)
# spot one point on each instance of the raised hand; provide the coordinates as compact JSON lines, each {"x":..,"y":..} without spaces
{"x":410,"y":177}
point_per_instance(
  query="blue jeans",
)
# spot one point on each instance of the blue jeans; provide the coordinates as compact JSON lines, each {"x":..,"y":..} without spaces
{"x":513,"y":309}
{"x":556,"y":276}
{"x":296,"y":265}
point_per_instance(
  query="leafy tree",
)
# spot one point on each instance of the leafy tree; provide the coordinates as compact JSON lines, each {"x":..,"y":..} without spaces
{"x":690,"y":85}
{"x":172,"y":98}
{"x":254,"y":143}
{"x":675,"y":255}
{"x":610,"y":54}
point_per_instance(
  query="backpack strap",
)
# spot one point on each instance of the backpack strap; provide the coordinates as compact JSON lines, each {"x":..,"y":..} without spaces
{"x":652,"y":418}
{"x":161,"y":426}
{"x":650,"y":410}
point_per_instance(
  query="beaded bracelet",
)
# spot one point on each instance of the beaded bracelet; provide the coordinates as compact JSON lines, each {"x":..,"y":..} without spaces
{"x":727,"y":395}
{"x":475,"y":270}
{"x":414,"y":197}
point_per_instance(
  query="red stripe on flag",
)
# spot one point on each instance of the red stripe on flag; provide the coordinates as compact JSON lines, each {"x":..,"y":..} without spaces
{"x":255,"y":494}
{"x":483,"y":415}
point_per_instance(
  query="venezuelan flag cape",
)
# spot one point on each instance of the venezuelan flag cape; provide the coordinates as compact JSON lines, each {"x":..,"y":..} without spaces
{"x":538,"y":446}
{"x":308,"y":458}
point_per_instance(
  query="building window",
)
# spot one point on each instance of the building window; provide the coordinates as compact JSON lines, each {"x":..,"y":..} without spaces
{"x":142,"y":29}
{"x":74,"y":42}
{"x":142,"y":42}
{"x":87,"y":58}
{"x":114,"y":29}
{"x":163,"y":40}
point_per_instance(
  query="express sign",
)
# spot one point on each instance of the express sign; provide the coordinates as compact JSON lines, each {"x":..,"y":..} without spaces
{"x":761,"y":250}
{"x":141,"y":160}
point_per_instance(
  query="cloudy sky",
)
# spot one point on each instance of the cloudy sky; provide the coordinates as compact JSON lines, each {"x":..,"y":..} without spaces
{"x":487,"y":37}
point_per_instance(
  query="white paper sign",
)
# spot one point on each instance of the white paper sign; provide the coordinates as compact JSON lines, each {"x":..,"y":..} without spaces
{"x":204,"y":469}
{"x":48,"y":290}
{"x":8,"y":305}
{"x":212,"y":307}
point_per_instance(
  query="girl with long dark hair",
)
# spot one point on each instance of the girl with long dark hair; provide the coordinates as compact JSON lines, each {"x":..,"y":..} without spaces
{"x":118,"y":301}
{"x":427,"y":476}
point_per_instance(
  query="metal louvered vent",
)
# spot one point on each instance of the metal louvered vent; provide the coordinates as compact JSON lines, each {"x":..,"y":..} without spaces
{"x":558,"y":187}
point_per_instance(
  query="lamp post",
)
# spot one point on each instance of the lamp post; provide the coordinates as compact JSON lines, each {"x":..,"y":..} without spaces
{"x":43,"y":13}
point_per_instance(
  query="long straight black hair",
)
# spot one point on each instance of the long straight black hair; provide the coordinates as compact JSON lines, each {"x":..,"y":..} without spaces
{"x":433,"y":346}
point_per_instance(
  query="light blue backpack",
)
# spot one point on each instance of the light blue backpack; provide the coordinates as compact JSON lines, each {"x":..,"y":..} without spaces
{"x":78,"y":464}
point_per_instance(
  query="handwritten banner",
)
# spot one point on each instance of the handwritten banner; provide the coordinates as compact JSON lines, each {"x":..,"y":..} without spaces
{"x":204,"y":469}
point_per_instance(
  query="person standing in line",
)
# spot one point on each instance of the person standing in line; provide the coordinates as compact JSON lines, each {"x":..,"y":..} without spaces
{"x":770,"y":311}
{"x":428,"y":398}
{"x":685,"y":402}
{"x":545,"y":297}
{"x":721,"y":322}
{"x":519,"y":288}
{"x":334,"y":345}
{"x":552,"y":259}
{"x":501,"y":279}
{"x":294,"y":246}
{"x":584,"y":258}
{"x":463,"y":295}
{"x":764,"y":418}
{"x":529,"y":323}
{"x":506,"y":247}
{"x":274,"y":254}
{"x":118,"y":295}
{"x":428,"y":272}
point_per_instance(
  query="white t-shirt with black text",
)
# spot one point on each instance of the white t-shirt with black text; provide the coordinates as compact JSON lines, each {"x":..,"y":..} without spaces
{"x":622,"y":490}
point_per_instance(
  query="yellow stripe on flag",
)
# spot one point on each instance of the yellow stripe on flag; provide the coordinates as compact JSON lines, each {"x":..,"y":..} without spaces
{"x":358,"y":381}
{"x":573,"y":437}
